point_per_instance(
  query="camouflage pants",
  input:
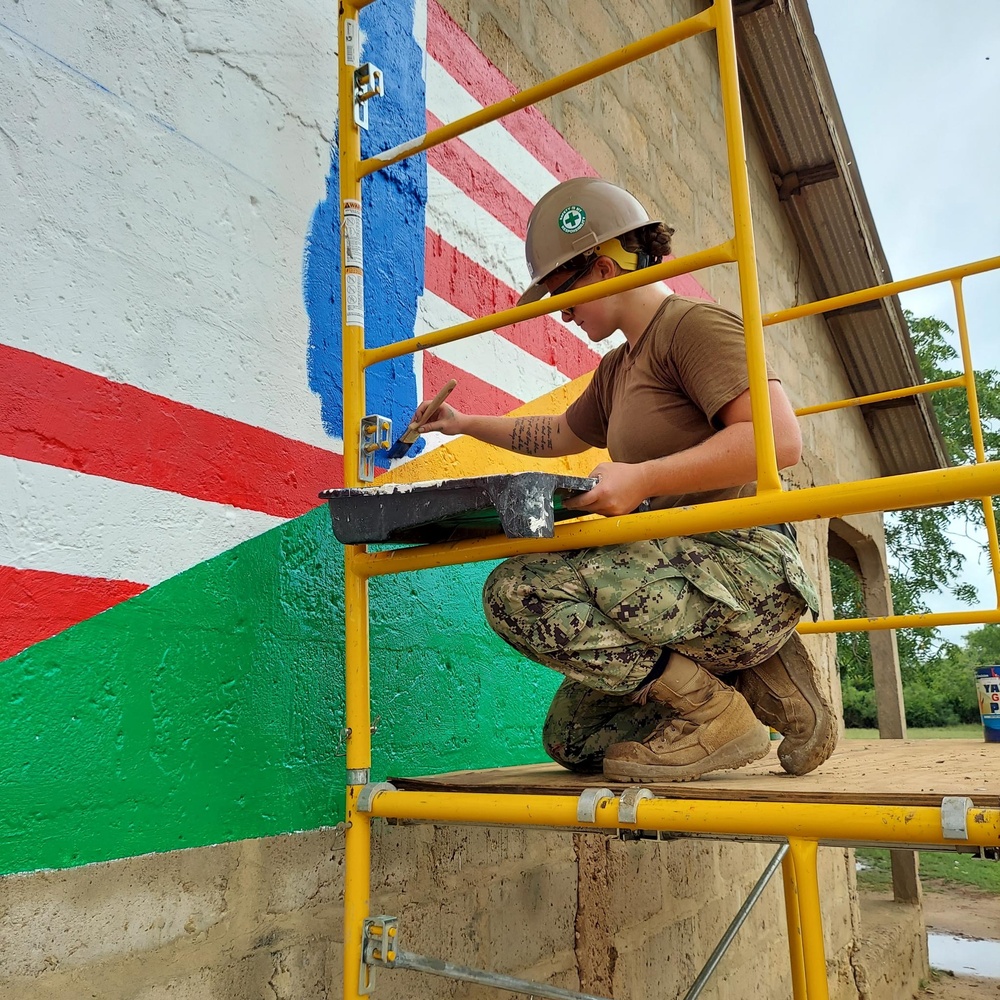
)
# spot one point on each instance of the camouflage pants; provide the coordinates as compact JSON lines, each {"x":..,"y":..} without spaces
{"x":602,"y":617}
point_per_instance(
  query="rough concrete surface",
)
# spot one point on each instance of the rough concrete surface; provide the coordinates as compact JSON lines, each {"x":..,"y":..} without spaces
{"x":892,"y":941}
{"x":253,"y":919}
{"x":634,"y":919}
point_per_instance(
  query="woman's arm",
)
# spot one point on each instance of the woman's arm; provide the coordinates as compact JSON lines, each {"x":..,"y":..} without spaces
{"x":547,"y":436}
{"x":725,"y":459}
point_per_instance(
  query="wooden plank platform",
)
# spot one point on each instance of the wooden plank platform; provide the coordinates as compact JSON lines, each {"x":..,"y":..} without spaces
{"x":879,"y":772}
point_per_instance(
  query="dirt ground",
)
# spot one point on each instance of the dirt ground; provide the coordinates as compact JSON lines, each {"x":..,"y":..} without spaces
{"x":944,"y":986}
{"x":963,"y":912}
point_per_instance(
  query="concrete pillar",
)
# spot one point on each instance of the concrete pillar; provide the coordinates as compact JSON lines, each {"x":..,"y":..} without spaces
{"x":859,"y":542}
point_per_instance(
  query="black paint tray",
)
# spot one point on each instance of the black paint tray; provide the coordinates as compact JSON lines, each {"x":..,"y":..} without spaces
{"x":520,"y":504}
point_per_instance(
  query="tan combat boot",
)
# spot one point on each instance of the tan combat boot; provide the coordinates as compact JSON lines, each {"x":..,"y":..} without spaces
{"x":784,"y":693}
{"x":716,"y":729}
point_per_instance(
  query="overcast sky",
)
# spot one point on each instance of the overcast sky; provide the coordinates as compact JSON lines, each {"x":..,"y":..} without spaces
{"x":918,"y":83}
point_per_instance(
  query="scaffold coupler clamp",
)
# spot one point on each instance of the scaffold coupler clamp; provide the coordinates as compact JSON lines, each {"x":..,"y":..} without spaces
{"x":954,"y":817}
{"x":375,"y":435}
{"x":367,"y":794}
{"x":589,"y":802}
{"x":368,"y":83}
{"x":379,"y":946}
{"x":628,"y":806}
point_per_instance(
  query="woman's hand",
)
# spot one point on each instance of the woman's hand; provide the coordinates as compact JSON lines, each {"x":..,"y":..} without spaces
{"x":620,"y":489}
{"x":447,"y":420}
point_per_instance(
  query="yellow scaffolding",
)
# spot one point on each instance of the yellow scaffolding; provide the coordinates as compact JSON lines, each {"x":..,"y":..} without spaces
{"x":802,"y":825}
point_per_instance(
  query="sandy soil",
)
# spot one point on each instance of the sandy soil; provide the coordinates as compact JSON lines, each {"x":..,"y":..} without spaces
{"x":961,"y":910}
{"x":944,"y":986}
{"x":964,"y":912}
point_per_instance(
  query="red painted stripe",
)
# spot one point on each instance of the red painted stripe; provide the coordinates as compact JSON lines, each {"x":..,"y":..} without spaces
{"x":62,"y":416}
{"x":481,"y":181}
{"x":448,"y":45}
{"x":38,"y":605}
{"x":687,"y":284}
{"x":460,"y":281}
{"x":471,"y":395}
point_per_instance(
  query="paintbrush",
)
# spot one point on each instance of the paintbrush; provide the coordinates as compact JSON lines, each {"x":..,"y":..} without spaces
{"x":412,"y":432}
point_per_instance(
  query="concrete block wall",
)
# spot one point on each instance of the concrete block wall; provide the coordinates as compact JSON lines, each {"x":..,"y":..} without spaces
{"x":263,"y":918}
{"x":253,"y":919}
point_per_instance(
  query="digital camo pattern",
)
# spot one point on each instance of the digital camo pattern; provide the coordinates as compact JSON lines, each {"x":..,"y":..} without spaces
{"x":602,"y":616}
{"x":583,"y":723}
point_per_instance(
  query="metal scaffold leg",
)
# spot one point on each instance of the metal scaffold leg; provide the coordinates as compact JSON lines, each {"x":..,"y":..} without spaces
{"x":794,"y":923}
{"x":803,"y":854}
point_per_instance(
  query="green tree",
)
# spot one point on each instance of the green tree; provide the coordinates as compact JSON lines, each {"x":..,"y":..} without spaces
{"x":924,"y":558}
{"x":981,"y":647}
{"x":854,"y":657}
{"x":921,"y":542}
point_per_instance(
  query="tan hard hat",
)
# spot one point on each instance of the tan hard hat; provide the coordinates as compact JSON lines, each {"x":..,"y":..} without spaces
{"x":574,"y":217}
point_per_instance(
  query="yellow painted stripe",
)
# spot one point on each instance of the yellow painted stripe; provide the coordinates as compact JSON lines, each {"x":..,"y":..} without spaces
{"x":464,"y":457}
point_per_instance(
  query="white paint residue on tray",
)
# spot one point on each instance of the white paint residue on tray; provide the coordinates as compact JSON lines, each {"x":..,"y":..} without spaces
{"x":536,"y":525}
{"x":389,"y":488}
{"x":539,"y":520}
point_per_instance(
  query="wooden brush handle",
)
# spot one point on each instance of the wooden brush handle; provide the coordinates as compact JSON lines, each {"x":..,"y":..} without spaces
{"x":435,"y":403}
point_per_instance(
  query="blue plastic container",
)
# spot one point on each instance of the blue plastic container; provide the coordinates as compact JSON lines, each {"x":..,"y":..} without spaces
{"x":988,"y":689}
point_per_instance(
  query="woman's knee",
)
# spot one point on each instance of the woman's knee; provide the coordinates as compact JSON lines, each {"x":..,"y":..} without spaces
{"x":503,"y":592}
{"x":526,"y":587}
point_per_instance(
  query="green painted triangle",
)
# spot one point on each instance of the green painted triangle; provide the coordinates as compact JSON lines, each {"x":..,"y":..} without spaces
{"x":209,"y":707}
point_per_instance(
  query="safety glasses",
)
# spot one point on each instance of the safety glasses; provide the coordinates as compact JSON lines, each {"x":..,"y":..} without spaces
{"x":573,"y":278}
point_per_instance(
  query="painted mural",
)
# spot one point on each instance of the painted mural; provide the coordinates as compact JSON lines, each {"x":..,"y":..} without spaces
{"x":171,"y":640}
{"x":114,"y":428}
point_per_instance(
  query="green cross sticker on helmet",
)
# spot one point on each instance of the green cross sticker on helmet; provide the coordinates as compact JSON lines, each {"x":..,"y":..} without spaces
{"x":572,"y":218}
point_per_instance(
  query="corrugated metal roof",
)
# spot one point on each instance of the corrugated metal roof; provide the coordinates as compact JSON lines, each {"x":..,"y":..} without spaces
{"x":788,"y":90}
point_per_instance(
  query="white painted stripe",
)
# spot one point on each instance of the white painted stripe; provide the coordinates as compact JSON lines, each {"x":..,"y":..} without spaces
{"x":420,"y":30}
{"x":449,"y":101}
{"x":68,"y":522}
{"x":178,"y":273}
{"x":232,"y":336}
{"x":488,"y":357}
{"x":471,"y":229}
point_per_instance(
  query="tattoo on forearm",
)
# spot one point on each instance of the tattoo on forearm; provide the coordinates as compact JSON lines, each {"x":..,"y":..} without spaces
{"x":533,"y":435}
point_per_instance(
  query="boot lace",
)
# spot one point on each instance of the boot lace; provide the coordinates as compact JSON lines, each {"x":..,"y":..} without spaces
{"x":671,"y":730}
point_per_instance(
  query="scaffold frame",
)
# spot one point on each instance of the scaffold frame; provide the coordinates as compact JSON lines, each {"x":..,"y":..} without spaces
{"x":801,"y":825}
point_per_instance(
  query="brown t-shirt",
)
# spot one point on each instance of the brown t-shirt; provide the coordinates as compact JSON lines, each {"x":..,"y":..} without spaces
{"x":664,"y":395}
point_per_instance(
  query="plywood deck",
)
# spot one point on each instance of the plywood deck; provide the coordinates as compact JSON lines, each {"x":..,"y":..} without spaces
{"x":880,"y":772}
